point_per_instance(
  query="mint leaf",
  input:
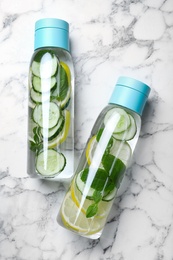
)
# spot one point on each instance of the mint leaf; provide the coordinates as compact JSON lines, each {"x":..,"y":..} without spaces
{"x":33,"y":146}
{"x":36,"y":138}
{"x":114,"y":167}
{"x":110,"y":185}
{"x":37,"y":134}
{"x":99,"y":180}
{"x":99,"y":133}
{"x":92,"y":210}
{"x":97,"y":196}
{"x":63,"y":84}
{"x":84,"y":175}
{"x":36,"y":145}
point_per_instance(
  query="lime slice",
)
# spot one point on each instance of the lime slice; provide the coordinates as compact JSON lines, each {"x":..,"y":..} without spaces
{"x":74,"y":219}
{"x":121,"y":150}
{"x":63,"y":134}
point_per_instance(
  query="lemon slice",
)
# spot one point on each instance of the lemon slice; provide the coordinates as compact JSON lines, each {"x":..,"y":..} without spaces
{"x":74,"y":219}
{"x":63,"y":134}
{"x":90,"y":149}
{"x":67,"y":70}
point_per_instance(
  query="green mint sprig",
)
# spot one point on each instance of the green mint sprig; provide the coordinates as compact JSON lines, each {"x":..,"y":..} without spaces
{"x":105,"y":181}
{"x":37,"y":144}
{"x":93,"y":208}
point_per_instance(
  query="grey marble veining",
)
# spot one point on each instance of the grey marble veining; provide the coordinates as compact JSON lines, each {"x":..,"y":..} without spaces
{"x":108,"y":39}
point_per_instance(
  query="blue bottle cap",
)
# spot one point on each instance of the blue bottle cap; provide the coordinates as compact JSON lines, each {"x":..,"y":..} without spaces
{"x":130,"y":93}
{"x":51,"y":32}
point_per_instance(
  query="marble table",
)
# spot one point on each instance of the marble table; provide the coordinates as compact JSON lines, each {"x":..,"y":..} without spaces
{"x":109,"y":39}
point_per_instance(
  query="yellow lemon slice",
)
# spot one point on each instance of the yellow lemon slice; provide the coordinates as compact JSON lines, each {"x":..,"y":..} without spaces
{"x":74,"y":219}
{"x":64,"y":133}
{"x":67,"y":70}
{"x":91,"y":146}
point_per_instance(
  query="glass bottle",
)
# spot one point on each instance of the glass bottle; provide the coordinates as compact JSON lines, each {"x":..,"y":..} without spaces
{"x":104,"y":160}
{"x":51,"y":103}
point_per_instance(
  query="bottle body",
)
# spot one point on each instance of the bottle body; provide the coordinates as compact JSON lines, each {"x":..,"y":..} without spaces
{"x":99,"y":174}
{"x":50,"y":114}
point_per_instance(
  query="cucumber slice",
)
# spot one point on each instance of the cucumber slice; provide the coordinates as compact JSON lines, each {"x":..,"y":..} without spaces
{"x":43,"y":85}
{"x":50,"y":163}
{"x":37,"y":97}
{"x":119,"y":117}
{"x":110,"y":196}
{"x":62,"y":136}
{"x":31,"y":127}
{"x":47,"y":67}
{"x":129,"y":133}
{"x":31,"y":104}
{"x":51,"y":115}
{"x":53,"y":132}
{"x":81,"y":187}
{"x":121,"y":150}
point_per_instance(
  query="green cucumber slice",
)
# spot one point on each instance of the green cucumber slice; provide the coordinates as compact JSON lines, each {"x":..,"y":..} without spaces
{"x":51,"y":115}
{"x":50,"y":163}
{"x":43,"y":85}
{"x":53,"y":132}
{"x":46,"y":67}
{"x":110,"y":196}
{"x":37,"y":97}
{"x":121,"y":150}
{"x":81,"y":187}
{"x":119,"y":118}
{"x":129,"y":133}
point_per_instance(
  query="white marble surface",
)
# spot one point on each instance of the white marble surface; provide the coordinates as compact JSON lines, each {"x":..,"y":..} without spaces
{"x":108,"y":39}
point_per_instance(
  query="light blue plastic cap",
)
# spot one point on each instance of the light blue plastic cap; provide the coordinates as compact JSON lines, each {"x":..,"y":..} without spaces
{"x":51,"y":32}
{"x":130,"y":93}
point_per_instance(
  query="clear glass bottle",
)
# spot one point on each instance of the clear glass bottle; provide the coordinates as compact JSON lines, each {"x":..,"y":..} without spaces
{"x":104,"y":160}
{"x":51,"y":103}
